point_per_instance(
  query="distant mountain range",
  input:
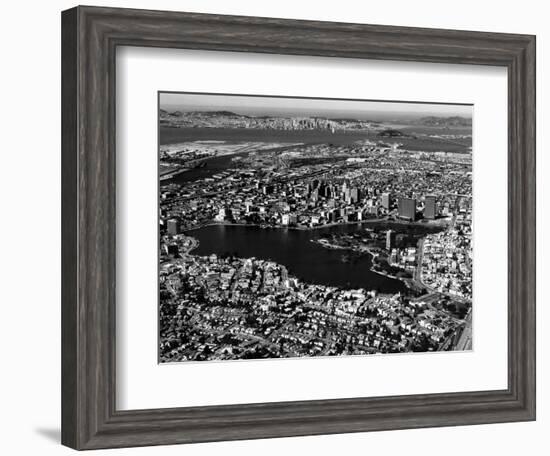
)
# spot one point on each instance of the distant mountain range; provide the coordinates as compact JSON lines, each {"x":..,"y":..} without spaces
{"x":229,"y":119}
{"x":165,"y":113}
{"x":454,"y":121}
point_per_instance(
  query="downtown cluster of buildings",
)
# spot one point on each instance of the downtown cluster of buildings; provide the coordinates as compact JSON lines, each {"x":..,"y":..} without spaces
{"x":317,"y":193}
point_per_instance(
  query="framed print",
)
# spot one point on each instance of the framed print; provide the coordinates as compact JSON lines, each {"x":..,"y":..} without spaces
{"x":279,"y":228}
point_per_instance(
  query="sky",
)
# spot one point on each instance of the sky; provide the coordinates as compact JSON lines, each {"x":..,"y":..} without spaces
{"x":332,"y":108}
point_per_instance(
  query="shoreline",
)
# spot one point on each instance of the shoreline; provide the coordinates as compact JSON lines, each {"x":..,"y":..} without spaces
{"x":410,"y":283}
{"x":368,"y":250}
{"x":407,"y":281}
{"x":195,"y":244}
{"x":307,"y":228}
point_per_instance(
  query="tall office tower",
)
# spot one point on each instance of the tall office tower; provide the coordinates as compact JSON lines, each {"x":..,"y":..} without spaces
{"x":430,"y":207}
{"x":173,"y":226}
{"x":354,"y":195}
{"x":310,"y":188}
{"x":406,"y":208}
{"x":386,"y":200}
{"x":346,"y":195}
{"x":315,"y":194}
{"x":390,"y":239}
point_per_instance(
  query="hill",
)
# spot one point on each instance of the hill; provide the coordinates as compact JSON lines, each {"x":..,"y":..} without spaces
{"x":454,"y":121}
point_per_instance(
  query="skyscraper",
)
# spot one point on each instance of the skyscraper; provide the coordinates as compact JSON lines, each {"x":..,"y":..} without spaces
{"x":354,"y":195}
{"x":390,"y":239}
{"x":386,"y":200}
{"x":173,"y":226}
{"x":430,"y":207}
{"x":406,"y":208}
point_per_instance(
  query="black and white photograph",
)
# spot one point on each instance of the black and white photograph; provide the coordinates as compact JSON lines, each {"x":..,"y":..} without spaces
{"x":304,"y":227}
{"x":275,"y":228}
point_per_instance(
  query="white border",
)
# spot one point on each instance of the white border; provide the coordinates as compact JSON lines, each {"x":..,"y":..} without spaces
{"x":142,"y":383}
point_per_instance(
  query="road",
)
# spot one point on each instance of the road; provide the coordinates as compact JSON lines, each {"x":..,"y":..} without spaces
{"x":465,"y":340}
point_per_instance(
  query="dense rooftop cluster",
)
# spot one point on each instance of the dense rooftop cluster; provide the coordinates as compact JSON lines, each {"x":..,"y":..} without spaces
{"x":447,"y":261}
{"x":230,"y":308}
{"x":316,"y":185}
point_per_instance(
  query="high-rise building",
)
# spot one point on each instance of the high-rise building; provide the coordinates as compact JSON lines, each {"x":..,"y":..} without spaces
{"x":430,"y":207}
{"x":386,"y":200}
{"x":354,"y":195}
{"x":406,"y":208}
{"x":345,"y":187}
{"x":312,"y":185}
{"x":315,"y":194}
{"x":173,"y":226}
{"x":390,"y":239}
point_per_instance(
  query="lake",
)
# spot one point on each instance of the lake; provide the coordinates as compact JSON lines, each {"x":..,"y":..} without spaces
{"x":304,"y":259}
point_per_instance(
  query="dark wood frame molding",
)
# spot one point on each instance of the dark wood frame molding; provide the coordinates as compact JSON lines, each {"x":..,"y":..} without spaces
{"x":90,"y":36}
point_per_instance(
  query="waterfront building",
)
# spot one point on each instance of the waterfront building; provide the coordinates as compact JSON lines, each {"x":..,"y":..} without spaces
{"x":386,"y":201}
{"x":407,"y":208}
{"x":289,"y":219}
{"x":430,"y":207}
{"x":390,"y":239}
{"x":173,"y":226}
{"x":222,"y":213}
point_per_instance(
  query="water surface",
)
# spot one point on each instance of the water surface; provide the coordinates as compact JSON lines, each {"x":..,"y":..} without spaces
{"x":304,"y":259}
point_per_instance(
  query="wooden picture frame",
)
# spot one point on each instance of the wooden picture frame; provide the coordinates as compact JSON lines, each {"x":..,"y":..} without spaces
{"x":90,"y":36}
